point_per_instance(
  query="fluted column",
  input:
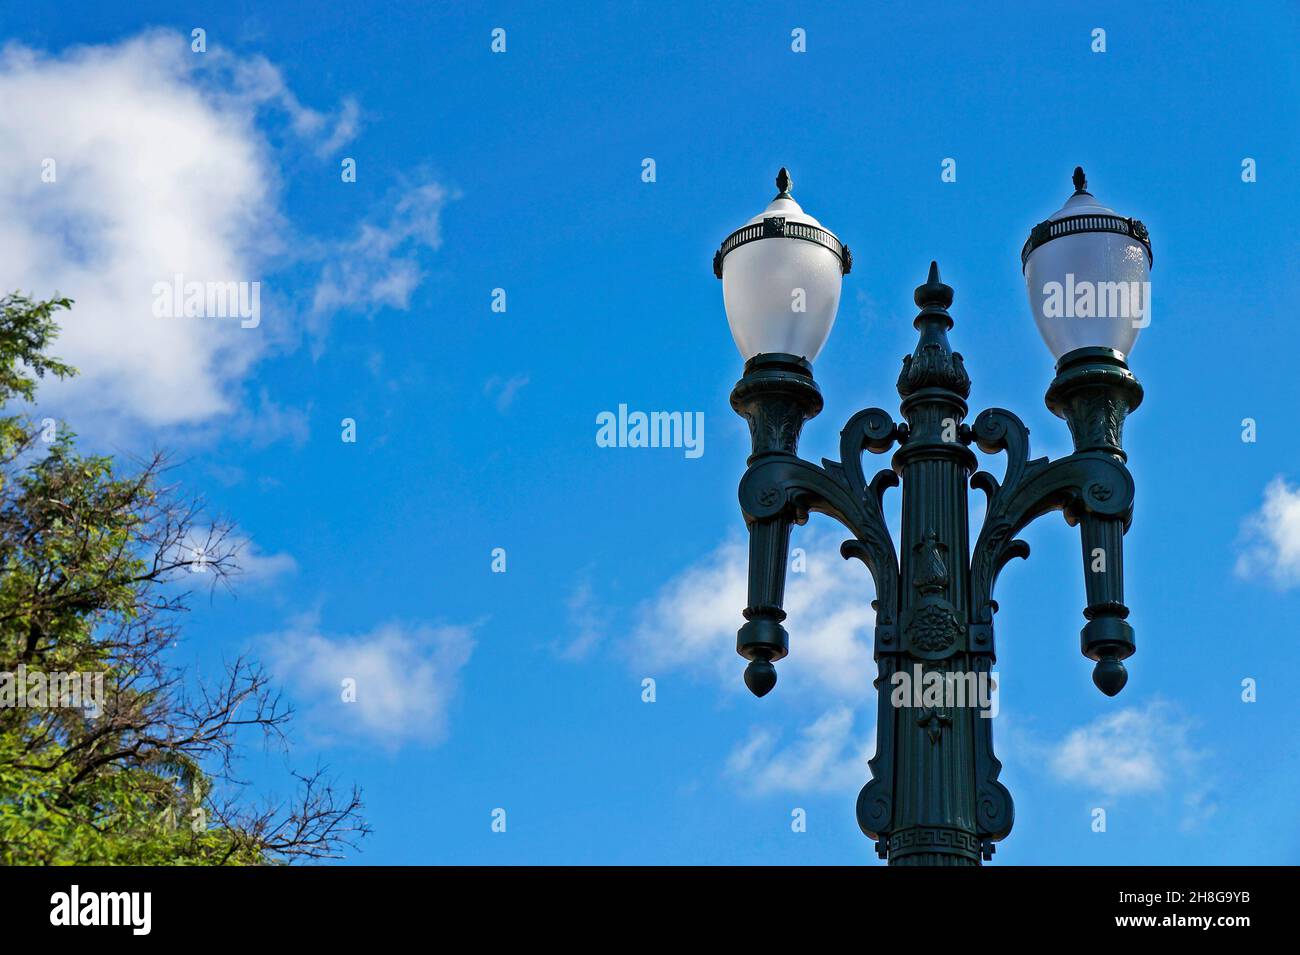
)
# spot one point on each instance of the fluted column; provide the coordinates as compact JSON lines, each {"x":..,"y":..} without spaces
{"x":934,"y":790}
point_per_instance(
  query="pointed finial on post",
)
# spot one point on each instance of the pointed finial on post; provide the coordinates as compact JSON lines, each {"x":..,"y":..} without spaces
{"x":1080,"y":182}
{"x":933,"y":296}
{"x":933,"y":364}
{"x":783,"y":183}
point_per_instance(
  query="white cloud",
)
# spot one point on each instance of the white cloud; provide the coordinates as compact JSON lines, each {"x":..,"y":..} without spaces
{"x":692,"y":622}
{"x":1133,"y":751}
{"x":829,"y":756}
{"x":253,"y":82}
{"x":165,"y":165}
{"x":258,"y":568}
{"x":379,"y":266}
{"x":152,"y":180}
{"x":587,"y":622}
{"x":270,"y":422}
{"x":503,"y":391}
{"x":406,"y":678}
{"x":1271,"y":537}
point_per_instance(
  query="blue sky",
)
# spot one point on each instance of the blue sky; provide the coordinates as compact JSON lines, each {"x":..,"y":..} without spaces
{"x":476,"y":429}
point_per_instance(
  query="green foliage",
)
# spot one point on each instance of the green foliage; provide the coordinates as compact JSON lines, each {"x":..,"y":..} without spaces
{"x":93,"y":569}
{"x":26,"y":330}
{"x":118,"y":817}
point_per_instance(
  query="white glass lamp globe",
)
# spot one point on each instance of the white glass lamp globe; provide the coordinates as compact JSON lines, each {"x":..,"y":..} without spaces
{"x":1087,"y":276}
{"x":781,"y":275}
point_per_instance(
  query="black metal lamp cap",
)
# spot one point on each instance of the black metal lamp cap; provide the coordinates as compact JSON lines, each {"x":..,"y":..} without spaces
{"x":1050,"y":229}
{"x":779,"y":227}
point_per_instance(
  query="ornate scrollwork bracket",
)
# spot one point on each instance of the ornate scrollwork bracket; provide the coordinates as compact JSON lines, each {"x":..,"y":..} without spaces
{"x":779,"y":490}
{"x":1091,"y":488}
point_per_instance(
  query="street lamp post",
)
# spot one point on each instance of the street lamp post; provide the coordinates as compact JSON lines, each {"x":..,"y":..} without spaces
{"x":934,"y":797}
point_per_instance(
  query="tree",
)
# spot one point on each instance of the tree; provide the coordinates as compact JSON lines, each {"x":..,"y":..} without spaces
{"x":97,"y":565}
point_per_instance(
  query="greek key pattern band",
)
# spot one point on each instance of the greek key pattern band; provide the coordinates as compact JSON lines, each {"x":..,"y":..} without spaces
{"x":934,"y":839}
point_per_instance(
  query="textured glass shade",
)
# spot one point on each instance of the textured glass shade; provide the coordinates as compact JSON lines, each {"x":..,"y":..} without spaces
{"x":781,"y":294}
{"x":1090,"y":288}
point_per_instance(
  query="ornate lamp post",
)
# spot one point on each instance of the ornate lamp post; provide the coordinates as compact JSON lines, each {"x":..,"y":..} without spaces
{"x":934,"y":796}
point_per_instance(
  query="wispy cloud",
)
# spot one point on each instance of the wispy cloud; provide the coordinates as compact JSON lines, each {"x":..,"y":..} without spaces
{"x":258,"y":425}
{"x":379,"y":266}
{"x":254,"y":83}
{"x":1271,"y":537}
{"x":1139,"y":750}
{"x":406,"y":677}
{"x":258,"y":568}
{"x":587,"y":622}
{"x":828,"y":756}
{"x":504,"y":390}
{"x":691,"y":623}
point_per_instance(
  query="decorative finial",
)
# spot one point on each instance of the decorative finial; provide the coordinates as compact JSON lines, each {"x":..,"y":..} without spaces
{"x":933,"y":293}
{"x":1109,"y":675}
{"x":783,"y":183}
{"x":760,"y":676}
{"x":1080,"y":182}
{"x":933,"y":364}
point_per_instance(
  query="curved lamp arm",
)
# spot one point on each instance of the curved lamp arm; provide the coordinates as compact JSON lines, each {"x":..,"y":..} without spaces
{"x":780,"y":490}
{"x":1093,"y":489}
